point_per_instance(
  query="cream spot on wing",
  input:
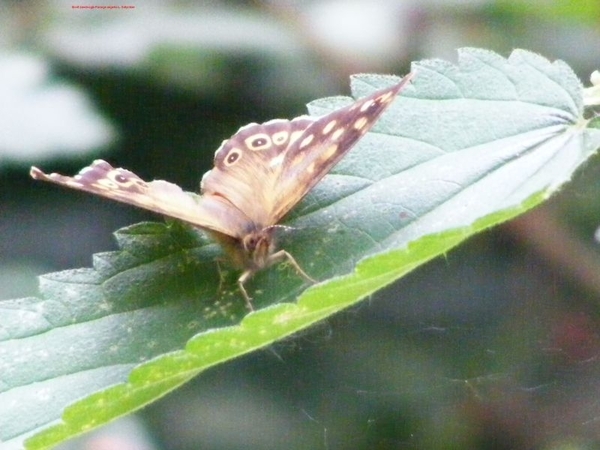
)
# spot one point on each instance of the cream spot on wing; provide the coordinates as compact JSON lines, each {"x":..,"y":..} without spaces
{"x":280,"y":137}
{"x":385,"y":98}
{"x":105,"y":183}
{"x":258,"y":142}
{"x":327,"y":128}
{"x":337,"y":133}
{"x":311,"y":167}
{"x":329,"y":152}
{"x":366,"y":105}
{"x":295,"y":135}
{"x":297,"y":159}
{"x":360,"y":123}
{"x":307,"y":140}
{"x":277,"y":160}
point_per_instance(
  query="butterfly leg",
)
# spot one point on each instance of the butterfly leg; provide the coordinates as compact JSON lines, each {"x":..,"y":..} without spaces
{"x":282,"y":255}
{"x":241,"y":280}
{"x":222,"y":275}
{"x":275,"y":258}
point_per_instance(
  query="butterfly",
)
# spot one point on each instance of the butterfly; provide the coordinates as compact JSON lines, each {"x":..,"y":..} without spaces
{"x":259,"y":175}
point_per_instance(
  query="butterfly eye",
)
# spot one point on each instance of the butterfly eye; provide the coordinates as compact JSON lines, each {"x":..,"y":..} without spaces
{"x":232,"y":157}
{"x":258,"y":142}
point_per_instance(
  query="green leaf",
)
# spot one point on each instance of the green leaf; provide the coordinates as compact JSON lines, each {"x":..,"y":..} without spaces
{"x":465,"y":147}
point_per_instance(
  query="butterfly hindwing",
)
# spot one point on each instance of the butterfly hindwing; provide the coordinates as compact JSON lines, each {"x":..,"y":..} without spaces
{"x":247,"y":167}
{"x":159,"y":196}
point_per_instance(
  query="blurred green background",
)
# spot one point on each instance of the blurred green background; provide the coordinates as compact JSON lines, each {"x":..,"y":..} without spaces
{"x":493,"y":347}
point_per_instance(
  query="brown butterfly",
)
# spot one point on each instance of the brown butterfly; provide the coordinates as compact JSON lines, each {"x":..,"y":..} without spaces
{"x":259,"y":174}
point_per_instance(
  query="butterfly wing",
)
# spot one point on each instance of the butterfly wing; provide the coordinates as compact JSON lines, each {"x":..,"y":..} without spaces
{"x":258,"y":176}
{"x":247,"y":167}
{"x":264,"y":170}
{"x":159,"y":196}
{"x":323,"y":143}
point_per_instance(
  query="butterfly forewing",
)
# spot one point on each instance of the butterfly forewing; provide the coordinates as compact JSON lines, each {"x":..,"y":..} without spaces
{"x":323,"y":143}
{"x":159,"y":196}
{"x":264,"y":170}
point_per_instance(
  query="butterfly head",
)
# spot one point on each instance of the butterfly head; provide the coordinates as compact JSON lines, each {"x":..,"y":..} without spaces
{"x":258,"y":246}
